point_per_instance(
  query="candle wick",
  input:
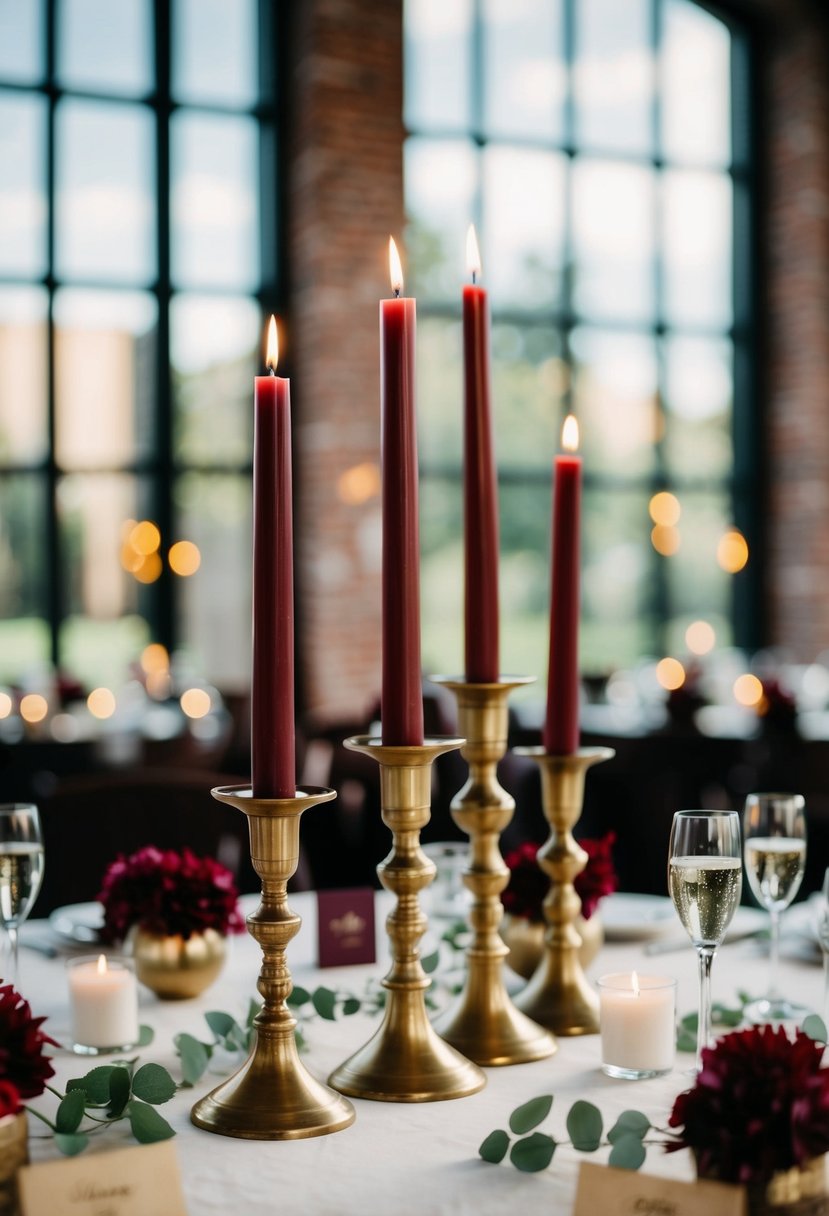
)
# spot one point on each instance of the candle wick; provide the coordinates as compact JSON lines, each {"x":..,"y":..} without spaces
{"x":272,"y":371}
{"x":397,"y":293}
{"x":474,"y":277}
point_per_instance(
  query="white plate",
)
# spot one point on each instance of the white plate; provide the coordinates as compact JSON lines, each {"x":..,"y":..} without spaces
{"x":627,"y":917}
{"x":78,"y":923}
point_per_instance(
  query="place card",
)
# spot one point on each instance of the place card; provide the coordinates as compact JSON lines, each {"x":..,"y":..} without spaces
{"x":345,"y":926}
{"x":140,"y":1181}
{"x":628,"y":1193}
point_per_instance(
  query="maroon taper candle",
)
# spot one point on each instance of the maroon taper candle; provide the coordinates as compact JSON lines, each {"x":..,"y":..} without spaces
{"x":561,"y":724}
{"x":273,"y":741}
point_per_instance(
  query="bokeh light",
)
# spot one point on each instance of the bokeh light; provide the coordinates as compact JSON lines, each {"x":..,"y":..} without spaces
{"x":184,"y":558}
{"x":101,"y":703}
{"x":748,"y":690}
{"x":159,"y":685}
{"x":33,"y":707}
{"x":665,"y":539}
{"x":670,"y":673}
{"x":195,"y":702}
{"x":664,"y":509}
{"x":700,"y":637}
{"x":149,"y":570}
{"x":154,"y":658}
{"x":145,"y":538}
{"x":359,"y":484}
{"x":732,"y":551}
{"x":6,"y":705}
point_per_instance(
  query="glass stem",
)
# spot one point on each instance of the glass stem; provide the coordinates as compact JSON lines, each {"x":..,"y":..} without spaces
{"x":825,"y":987}
{"x":13,"y":950}
{"x":706,"y":958}
{"x":774,"y":954}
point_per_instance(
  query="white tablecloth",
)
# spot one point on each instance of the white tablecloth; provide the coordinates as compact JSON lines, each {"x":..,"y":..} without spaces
{"x":396,"y":1158}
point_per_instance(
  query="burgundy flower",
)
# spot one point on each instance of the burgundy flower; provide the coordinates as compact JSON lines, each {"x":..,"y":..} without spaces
{"x":9,"y":1099}
{"x":760,"y":1104}
{"x":22,"y":1062}
{"x":166,"y":892}
{"x":528,"y":884}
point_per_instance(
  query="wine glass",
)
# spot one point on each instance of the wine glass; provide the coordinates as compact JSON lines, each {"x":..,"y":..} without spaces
{"x":774,"y":834}
{"x":705,"y":879}
{"x":822,"y":930}
{"x":21,"y":868}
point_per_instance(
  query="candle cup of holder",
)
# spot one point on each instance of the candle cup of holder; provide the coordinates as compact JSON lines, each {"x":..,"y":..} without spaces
{"x":273,"y":1096}
{"x":558,"y":996}
{"x":483,"y":1023}
{"x":406,"y":1060}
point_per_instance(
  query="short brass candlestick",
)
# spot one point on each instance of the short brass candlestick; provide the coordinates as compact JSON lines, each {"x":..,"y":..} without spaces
{"x":558,"y":995}
{"x":406,"y":1061}
{"x":273,"y":1096}
{"x":483,"y":1023}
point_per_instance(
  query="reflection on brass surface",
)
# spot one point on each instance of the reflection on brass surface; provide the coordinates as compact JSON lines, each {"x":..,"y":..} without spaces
{"x":558,"y":995}
{"x":406,"y":1061}
{"x":174,"y":967}
{"x":483,"y":1023}
{"x":14,"y":1152}
{"x":273,"y":1096}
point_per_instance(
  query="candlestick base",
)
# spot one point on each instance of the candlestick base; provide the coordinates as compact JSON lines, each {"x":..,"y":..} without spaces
{"x":273,"y":1096}
{"x":558,"y":996}
{"x":483,"y":1023}
{"x":406,"y":1061}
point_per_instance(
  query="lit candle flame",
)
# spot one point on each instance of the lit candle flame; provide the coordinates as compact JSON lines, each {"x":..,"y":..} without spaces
{"x":570,"y":434}
{"x":395,"y":268}
{"x":634,"y":981}
{"x":272,"y":356}
{"x":102,"y":964}
{"x":473,"y":254}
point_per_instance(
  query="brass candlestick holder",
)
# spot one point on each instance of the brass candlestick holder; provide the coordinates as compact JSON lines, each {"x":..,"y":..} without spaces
{"x":558,"y":995}
{"x":273,"y":1096}
{"x":406,"y":1061}
{"x":483,"y":1023}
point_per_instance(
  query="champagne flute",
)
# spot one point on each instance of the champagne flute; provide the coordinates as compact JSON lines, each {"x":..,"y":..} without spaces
{"x":774,"y":834}
{"x":705,"y":878}
{"x":21,"y":869}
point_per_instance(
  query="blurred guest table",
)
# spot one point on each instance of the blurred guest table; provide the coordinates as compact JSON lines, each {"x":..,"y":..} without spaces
{"x":402,"y":1158}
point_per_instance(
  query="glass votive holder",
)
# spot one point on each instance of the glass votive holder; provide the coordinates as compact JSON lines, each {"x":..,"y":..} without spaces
{"x":103,"y":1002}
{"x":638,"y":1025}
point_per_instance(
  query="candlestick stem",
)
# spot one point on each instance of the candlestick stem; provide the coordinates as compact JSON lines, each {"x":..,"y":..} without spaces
{"x":558,"y":995}
{"x":406,"y":1061}
{"x":273,"y":1096}
{"x":483,"y":1023}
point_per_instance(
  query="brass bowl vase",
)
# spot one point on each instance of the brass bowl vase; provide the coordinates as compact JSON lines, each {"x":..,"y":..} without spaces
{"x":176,"y":968}
{"x":14,"y":1152}
{"x":525,"y":939}
{"x":800,"y":1191}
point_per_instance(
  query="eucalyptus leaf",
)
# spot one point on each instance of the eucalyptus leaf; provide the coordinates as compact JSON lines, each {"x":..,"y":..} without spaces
{"x":299,"y":996}
{"x":533,"y":1153}
{"x":351,"y":1005}
{"x":95,"y":1085}
{"x":222,"y":1024}
{"x":195,"y":1057}
{"x":147,"y":1125}
{"x":494,"y":1148}
{"x":70,"y":1112}
{"x":153,"y":1084}
{"x":146,"y":1034}
{"x":120,"y":1086}
{"x":324,"y":1001}
{"x":628,"y":1152}
{"x":815,"y":1028}
{"x":71,"y":1145}
{"x":525,"y":1118}
{"x":584,"y":1126}
{"x":629,"y":1123}
{"x":430,"y":962}
{"x":253,"y":1009}
{"x":686,"y":1040}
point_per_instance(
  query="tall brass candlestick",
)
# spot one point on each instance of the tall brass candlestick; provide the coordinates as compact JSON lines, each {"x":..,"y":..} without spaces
{"x":483,"y":1023}
{"x":273,"y":1096}
{"x":558,"y":995}
{"x":406,"y":1061}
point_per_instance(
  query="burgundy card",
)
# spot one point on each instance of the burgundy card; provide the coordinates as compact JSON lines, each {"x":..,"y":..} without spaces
{"x":345,"y":927}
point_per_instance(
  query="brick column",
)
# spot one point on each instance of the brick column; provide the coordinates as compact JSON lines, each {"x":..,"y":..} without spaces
{"x":345,"y":196}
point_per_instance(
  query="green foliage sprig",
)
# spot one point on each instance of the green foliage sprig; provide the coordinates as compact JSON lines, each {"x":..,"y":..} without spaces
{"x":723,"y":1017}
{"x":534,"y":1150}
{"x":109,"y":1094}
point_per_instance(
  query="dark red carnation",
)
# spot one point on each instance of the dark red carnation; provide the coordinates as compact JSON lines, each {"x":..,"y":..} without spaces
{"x":760,"y":1104}
{"x":528,"y":884}
{"x":166,"y":892}
{"x":9,"y":1099}
{"x":22,"y":1062}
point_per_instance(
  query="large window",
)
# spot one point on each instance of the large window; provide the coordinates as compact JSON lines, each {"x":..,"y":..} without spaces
{"x":138,"y":252}
{"x":602,"y":150}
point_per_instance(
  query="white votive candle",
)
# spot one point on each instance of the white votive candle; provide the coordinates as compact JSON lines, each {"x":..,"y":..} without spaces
{"x":103,"y":996}
{"x":638,"y":1024}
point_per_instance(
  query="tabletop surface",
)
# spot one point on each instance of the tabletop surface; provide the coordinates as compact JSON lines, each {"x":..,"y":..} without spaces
{"x":403,"y":1158}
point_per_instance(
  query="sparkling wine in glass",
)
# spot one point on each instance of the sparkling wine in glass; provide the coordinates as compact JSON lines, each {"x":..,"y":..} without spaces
{"x":705,"y":881}
{"x":774,"y":834}
{"x":21,"y":869}
{"x":822,"y":930}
